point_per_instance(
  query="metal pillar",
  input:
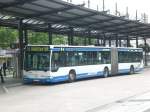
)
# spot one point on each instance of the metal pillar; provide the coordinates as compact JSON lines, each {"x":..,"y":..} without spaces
{"x":71,"y":36}
{"x":85,"y":42}
{"x":104,"y":41}
{"x":26,"y":36}
{"x":119,"y":42}
{"x":68,"y":38}
{"x":89,"y":37}
{"x":50,"y":34}
{"x":110,"y":42}
{"x":116,"y":40}
{"x":101,"y":41}
{"x":128,"y":42}
{"x":98,"y":43}
{"x":103,"y":5}
{"x":145,"y":44}
{"x":21,"y":46}
{"x":137,"y":44}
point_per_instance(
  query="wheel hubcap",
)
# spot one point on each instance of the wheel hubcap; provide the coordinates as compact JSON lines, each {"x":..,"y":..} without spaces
{"x":72,"y":76}
{"x":105,"y":73}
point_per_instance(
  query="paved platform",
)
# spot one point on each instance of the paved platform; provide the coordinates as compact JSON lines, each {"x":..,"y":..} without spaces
{"x":9,"y":83}
{"x":138,"y":103}
{"x":122,"y":93}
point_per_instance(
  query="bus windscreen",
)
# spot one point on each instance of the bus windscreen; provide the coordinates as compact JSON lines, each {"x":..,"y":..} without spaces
{"x":37,"y":61}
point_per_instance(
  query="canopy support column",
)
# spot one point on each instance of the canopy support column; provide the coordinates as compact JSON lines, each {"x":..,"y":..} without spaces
{"x":128,"y":42}
{"x":89,"y":37}
{"x":26,"y":36}
{"x":137,"y":44}
{"x":120,"y":42}
{"x":50,"y":34}
{"x":109,"y":41}
{"x":116,"y":40}
{"x":21,"y":47}
{"x":104,"y":40}
{"x":98,"y":41}
{"x":70,"y":36}
{"x":145,"y":44}
{"x":85,"y":42}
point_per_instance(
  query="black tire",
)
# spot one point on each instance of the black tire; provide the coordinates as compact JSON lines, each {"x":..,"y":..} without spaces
{"x":72,"y":76}
{"x":106,"y":72}
{"x":132,"y":70}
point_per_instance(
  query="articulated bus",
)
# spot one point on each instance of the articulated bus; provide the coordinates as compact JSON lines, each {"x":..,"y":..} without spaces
{"x":54,"y":63}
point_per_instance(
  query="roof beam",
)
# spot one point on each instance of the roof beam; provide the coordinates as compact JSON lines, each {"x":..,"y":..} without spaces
{"x":54,"y":11}
{"x":133,"y":29}
{"x":120,"y":30}
{"x":13,"y":4}
{"x":139,"y":31}
{"x":96,"y":22}
{"x":115,"y":25}
{"x":48,"y":20}
{"x":76,"y":18}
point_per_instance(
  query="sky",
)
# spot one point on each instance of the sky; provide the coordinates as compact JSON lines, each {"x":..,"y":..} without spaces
{"x":142,"y":6}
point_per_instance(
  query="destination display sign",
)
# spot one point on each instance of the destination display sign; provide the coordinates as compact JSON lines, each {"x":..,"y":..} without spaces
{"x":38,"y":48}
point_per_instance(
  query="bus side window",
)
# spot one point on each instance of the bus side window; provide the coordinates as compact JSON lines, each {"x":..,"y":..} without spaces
{"x":55,"y":64}
{"x":35,"y":61}
{"x":99,"y":57}
{"x":105,"y":57}
{"x":81,"y":60}
{"x":62,"y":59}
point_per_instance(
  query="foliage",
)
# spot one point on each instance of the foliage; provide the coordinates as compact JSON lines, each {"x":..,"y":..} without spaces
{"x":37,"y":38}
{"x":145,"y":47}
{"x":7,"y":36}
{"x":59,"y":39}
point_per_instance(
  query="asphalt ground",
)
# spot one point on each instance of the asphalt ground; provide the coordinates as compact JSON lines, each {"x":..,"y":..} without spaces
{"x":89,"y":95}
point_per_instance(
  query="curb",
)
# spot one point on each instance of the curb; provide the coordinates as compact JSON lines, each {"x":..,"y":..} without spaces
{"x":13,"y":85}
{"x":4,"y":88}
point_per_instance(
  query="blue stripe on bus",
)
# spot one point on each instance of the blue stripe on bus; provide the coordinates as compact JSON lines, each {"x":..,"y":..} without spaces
{"x":130,"y":50}
{"x":81,"y":49}
{"x":128,"y":70}
{"x":86,"y":75}
{"x":27,"y":80}
{"x":124,"y":71}
{"x":138,"y":69}
{"x":59,"y":78}
{"x":95,"y":49}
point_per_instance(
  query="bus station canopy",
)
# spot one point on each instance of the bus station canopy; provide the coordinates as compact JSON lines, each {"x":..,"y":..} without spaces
{"x":63,"y":16}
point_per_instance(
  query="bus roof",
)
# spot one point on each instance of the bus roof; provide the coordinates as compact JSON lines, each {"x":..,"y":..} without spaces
{"x":53,"y":46}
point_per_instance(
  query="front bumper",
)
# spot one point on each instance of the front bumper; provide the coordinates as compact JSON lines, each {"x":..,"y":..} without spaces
{"x":48,"y":80}
{"x":36,"y":81}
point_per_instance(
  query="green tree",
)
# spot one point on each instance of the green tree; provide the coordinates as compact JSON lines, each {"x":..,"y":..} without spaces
{"x":37,"y":38}
{"x":59,"y":39}
{"x":7,"y":36}
{"x":145,"y":47}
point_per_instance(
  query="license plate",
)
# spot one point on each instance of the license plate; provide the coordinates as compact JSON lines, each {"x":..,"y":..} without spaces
{"x":36,"y":80}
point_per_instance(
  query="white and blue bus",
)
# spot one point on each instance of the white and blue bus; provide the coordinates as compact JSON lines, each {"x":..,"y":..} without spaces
{"x":54,"y":63}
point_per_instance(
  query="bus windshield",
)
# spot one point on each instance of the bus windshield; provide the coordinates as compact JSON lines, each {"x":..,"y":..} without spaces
{"x":37,"y":61}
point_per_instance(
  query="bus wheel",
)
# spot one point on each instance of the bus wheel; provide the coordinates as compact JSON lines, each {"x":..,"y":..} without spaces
{"x":131,"y":70}
{"x":72,"y":76}
{"x":106,"y":72}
